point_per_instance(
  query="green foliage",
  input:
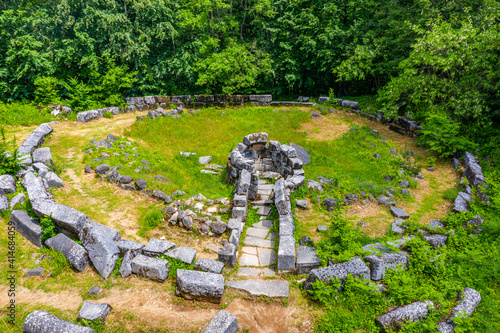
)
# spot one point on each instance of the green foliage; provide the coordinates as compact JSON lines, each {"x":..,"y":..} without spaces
{"x":150,"y":220}
{"x":107,"y":114}
{"x":49,"y":228}
{"x":55,"y":261}
{"x":46,"y":90}
{"x":236,"y":68}
{"x":21,"y":113}
{"x":174,"y":265}
{"x":118,"y":264}
{"x":442,"y":135}
{"x":97,"y":324}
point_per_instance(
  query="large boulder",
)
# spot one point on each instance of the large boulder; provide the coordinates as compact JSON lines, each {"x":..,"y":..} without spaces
{"x":357,"y":268}
{"x":102,"y":249}
{"x":43,"y":322}
{"x":75,"y":253}
{"x":396,"y":319}
{"x":201,"y":286}
{"x":150,"y":268}
{"x":7,"y":184}
{"x":27,"y":227}
{"x":223,"y":322}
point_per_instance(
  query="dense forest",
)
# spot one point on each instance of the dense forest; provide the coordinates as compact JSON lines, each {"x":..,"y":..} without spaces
{"x":435,"y":60}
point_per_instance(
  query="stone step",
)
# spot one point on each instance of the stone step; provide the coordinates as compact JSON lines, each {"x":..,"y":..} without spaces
{"x":257,"y":232}
{"x":264,"y":193}
{"x":262,"y":202}
{"x":256,"y":272}
{"x":265,"y":224}
{"x":254,"y":241}
{"x":266,"y":187}
{"x":269,"y":288}
{"x":264,"y":211}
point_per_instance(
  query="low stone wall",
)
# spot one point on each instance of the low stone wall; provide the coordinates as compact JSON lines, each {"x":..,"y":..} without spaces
{"x":153,"y":102}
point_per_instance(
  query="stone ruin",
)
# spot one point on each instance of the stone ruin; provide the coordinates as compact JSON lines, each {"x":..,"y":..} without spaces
{"x":255,"y":158}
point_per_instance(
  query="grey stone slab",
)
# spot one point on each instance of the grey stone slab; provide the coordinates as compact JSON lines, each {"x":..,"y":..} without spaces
{"x":102,"y":249}
{"x":243,"y":183}
{"x":435,"y":225}
{"x":223,"y":322}
{"x":286,"y":253}
{"x":249,"y":250}
{"x":43,"y":155}
{"x":267,"y":257}
{"x":201,"y":286}
{"x":184,"y":254}
{"x":307,"y":259}
{"x":234,"y":224}
{"x":396,"y":319}
{"x":248,"y":260}
{"x":65,"y":217}
{"x":43,"y":322}
{"x":209,"y":265}
{"x":76,"y":254}
{"x":7,"y":184}
{"x":272,"y":236}
{"x":27,"y":227}
{"x":357,"y":268}
{"x":234,"y":238}
{"x":218,"y":227}
{"x":94,"y":311}
{"x":264,"y":224}
{"x":280,"y":197}
{"x":133,"y":247}
{"x":387,"y":261}
{"x":257,"y":232}
{"x":301,"y":203}
{"x":150,"y":268}
{"x":264,"y":211}
{"x":399,"y":213}
{"x":249,"y":271}
{"x":254,"y":241}
{"x":156,"y":247}
{"x":17,"y":200}
{"x":262,"y":202}
{"x":269,"y":288}
{"x":461,"y":205}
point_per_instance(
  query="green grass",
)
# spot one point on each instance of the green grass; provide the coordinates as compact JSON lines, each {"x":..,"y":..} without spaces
{"x":24,"y":114}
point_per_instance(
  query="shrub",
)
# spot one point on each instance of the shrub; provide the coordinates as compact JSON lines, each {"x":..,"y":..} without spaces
{"x":49,"y":228}
{"x":151,"y":220}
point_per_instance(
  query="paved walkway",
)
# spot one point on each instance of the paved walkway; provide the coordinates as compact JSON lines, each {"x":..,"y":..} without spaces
{"x":257,"y":257}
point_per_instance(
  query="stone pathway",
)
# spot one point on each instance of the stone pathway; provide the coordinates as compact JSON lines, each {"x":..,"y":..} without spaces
{"x":257,"y":257}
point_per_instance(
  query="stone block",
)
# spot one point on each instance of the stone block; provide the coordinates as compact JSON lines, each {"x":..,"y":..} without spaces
{"x":87,"y":116}
{"x":286,"y":253}
{"x":133,"y":247}
{"x":184,"y":254}
{"x":76,"y":254}
{"x":227,"y":254}
{"x":150,"y":268}
{"x":156,"y":247}
{"x":43,"y":322}
{"x":396,"y":319}
{"x":27,"y":227}
{"x":209,"y":265}
{"x":243,"y":183}
{"x":223,"y":322}
{"x":387,"y":261}
{"x":103,"y":251}
{"x":239,"y":200}
{"x":307,"y":259}
{"x":201,"y":286}
{"x":357,"y":268}
{"x":65,"y":217}
{"x":94,"y":311}
{"x":7,"y":184}
{"x":268,"y":288}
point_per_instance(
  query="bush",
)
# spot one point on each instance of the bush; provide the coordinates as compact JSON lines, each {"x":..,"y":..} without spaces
{"x":150,"y":221}
{"x":49,"y":228}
